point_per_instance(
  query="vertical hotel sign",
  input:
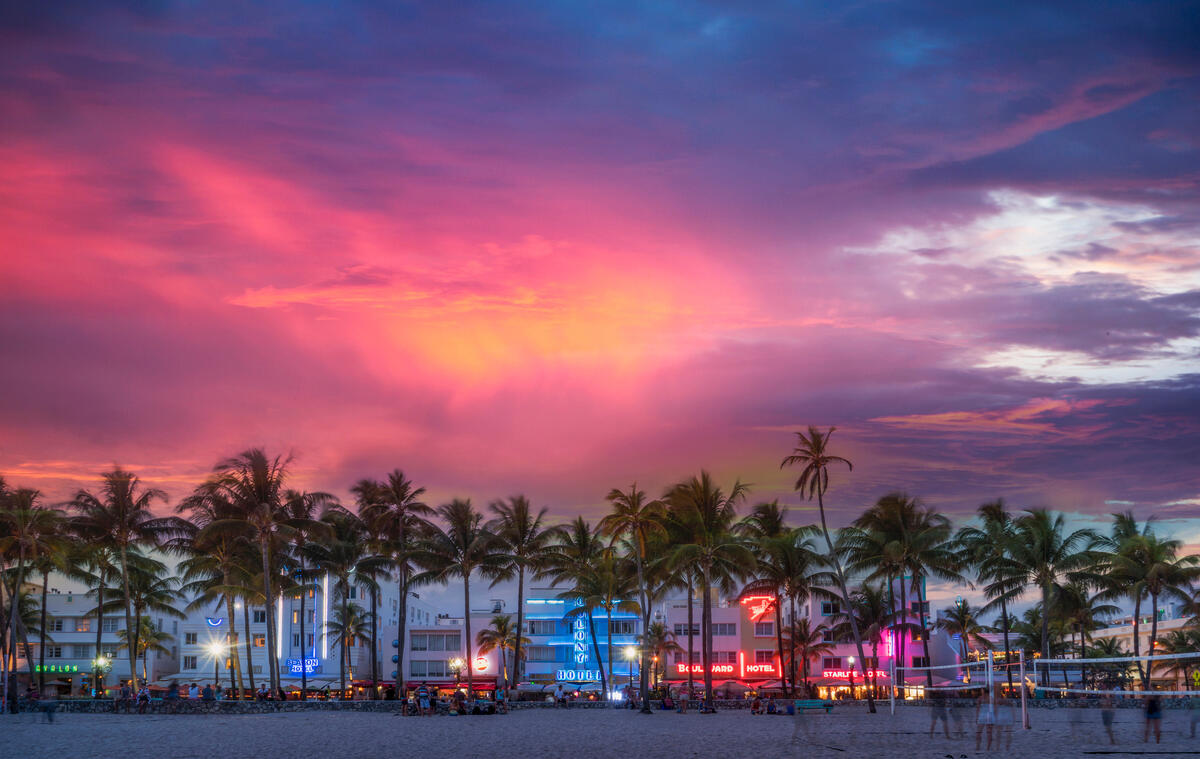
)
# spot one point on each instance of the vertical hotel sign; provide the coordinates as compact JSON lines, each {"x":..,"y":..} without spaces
{"x":580,"y":639}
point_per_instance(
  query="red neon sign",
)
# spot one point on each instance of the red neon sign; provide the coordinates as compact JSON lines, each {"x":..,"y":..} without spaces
{"x":741,"y":669}
{"x":759,"y":606}
{"x":845,"y":673}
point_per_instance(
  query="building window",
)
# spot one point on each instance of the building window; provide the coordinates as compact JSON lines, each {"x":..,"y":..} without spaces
{"x":189,"y":639}
{"x":419,"y":642}
{"x":108,"y":625}
{"x":541,"y":653}
{"x":417,"y":669}
{"x":260,"y":641}
{"x":724,"y":628}
{"x":55,"y":625}
{"x":53,"y":652}
{"x":259,"y":616}
{"x":766,"y":656}
{"x":621,"y":627}
{"x":83,"y":624}
{"x":353,"y":592}
{"x":918,"y":636}
{"x":258,"y":669}
{"x":295,"y":640}
{"x":724,"y":657}
{"x":827,"y":636}
{"x":764,"y":629}
{"x":831,"y":662}
{"x":189,"y":662}
{"x":81,"y":652}
{"x":830,"y":608}
{"x":540,"y":627}
{"x":920,"y":661}
{"x":295,"y":616}
{"x":683,"y":629}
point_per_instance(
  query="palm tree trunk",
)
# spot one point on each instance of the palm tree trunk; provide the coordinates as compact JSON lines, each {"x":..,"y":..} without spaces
{"x":98,"y":674}
{"x":644,"y":659}
{"x":345,"y":639}
{"x":779,"y":643}
{"x":924,"y":632}
{"x":374,"y":644}
{"x":130,"y":635}
{"x":402,"y":626}
{"x":706,"y":637}
{"x":608,"y":648}
{"x":42,"y":634}
{"x":691,"y":651}
{"x":303,"y":639}
{"x":1137,"y":639}
{"x":792,"y":615}
{"x":516,"y":673}
{"x":249,"y":642}
{"x":1153,"y":638}
{"x":137,"y":637}
{"x":1046,"y":628}
{"x":841,"y":581}
{"x":904,"y":635}
{"x":235,"y":656}
{"x":1007,"y":659}
{"x":268,"y":597}
{"x":469,"y":664}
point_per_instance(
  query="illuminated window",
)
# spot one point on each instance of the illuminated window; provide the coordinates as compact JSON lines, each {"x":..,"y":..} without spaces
{"x":295,"y":616}
{"x":260,"y":641}
{"x":83,"y":624}
{"x":764,"y":656}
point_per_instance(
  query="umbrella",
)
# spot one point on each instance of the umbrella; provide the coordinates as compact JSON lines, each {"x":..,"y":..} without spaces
{"x":589,"y":687}
{"x":531,"y":687}
{"x":732,"y":685}
{"x":771,"y":685}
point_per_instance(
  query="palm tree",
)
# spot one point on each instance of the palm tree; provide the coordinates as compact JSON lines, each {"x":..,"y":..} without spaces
{"x":303,"y":516}
{"x":1167,"y":575}
{"x":1179,"y":642}
{"x":812,"y":456}
{"x":396,"y":514}
{"x":343,"y":553}
{"x":963,"y":621}
{"x":639,"y":521}
{"x":605,"y":585}
{"x":150,"y":639}
{"x":658,"y":642}
{"x":120,"y":518}
{"x":988,"y":548}
{"x":871,"y":606}
{"x":523,"y":543}
{"x":49,"y":555}
{"x":502,"y":637}
{"x":253,"y":483}
{"x":806,"y":643}
{"x":349,"y":627}
{"x":719,"y":556}
{"x":1121,"y":570}
{"x":1110,"y":648}
{"x":97,"y":566}
{"x":1081,"y":611}
{"x":463,"y":547}
{"x":1045,"y":553}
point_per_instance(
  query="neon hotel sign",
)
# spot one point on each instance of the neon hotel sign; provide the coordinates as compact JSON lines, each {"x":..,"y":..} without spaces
{"x":741,"y":669}
{"x":844,"y":674}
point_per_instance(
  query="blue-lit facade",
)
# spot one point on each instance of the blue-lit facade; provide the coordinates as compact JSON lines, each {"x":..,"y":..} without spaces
{"x":563,"y":648}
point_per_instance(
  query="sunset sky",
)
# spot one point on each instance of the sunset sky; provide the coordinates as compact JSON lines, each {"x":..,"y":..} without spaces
{"x":553,"y":248}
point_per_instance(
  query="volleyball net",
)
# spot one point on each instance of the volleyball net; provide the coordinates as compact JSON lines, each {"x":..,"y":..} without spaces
{"x":1174,"y":675}
{"x":996,"y":683}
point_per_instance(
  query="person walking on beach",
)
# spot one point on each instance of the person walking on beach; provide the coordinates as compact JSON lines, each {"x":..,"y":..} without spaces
{"x":1153,"y":718}
{"x":938,"y":711}
{"x":50,"y":704}
{"x":171,"y":700}
{"x":1002,"y":713}
{"x":984,"y":719}
{"x":423,"y":701}
{"x":1194,"y":713}
{"x":1107,"y":713}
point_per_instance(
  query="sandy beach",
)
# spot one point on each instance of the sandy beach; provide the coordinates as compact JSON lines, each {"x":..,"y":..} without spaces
{"x":849,"y":731}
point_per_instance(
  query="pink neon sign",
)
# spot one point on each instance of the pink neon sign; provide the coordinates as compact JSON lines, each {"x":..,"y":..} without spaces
{"x":845,"y":673}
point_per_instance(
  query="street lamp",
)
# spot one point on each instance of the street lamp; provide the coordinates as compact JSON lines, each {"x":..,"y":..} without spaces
{"x":456,"y":666}
{"x":851,"y":677}
{"x":216,"y":649}
{"x":101,"y":666}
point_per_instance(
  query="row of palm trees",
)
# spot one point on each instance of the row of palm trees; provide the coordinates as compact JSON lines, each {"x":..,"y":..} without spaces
{"x":244,"y":537}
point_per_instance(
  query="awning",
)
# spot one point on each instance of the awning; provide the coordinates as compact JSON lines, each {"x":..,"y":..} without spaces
{"x":770,"y":685}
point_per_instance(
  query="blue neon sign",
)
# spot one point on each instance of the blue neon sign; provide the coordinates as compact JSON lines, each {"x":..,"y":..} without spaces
{"x":311,"y":666}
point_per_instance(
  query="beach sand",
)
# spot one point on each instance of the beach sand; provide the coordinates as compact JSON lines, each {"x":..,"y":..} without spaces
{"x":574,"y":733}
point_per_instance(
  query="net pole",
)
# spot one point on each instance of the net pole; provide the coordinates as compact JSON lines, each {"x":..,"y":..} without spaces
{"x":991,"y":684}
{"x":1024,"y":706}
{"x":892,"y":690}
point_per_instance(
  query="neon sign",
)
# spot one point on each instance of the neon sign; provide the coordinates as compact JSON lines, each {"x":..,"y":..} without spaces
{"x":845,"y":673}
{"x":311,"y":666}
{"x":741,"y":669}
{"x":481,"y":663}
{"x":214,"y":621}
{"x":577,"y":675}
{"x":698,"y":669}
{"x":758,"y":606}
{"x":56,"y":668}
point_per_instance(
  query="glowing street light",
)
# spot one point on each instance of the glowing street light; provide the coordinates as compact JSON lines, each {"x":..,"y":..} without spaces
{"x":216,"y":649}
